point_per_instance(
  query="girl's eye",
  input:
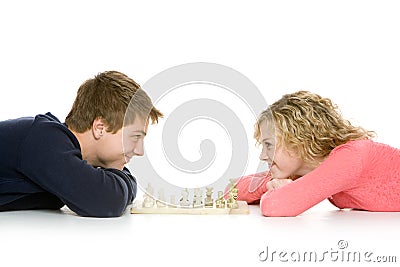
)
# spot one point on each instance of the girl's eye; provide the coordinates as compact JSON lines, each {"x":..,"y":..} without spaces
{"x":267,"y":145}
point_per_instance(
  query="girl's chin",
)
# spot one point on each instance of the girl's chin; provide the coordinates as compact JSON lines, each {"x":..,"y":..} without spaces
{"x":276,"y":174}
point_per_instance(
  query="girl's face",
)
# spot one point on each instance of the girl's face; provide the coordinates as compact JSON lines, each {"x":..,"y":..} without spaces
{"x":282,"y":162}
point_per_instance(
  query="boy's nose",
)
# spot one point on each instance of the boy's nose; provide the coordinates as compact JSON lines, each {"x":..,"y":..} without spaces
{"x":139,"y":149}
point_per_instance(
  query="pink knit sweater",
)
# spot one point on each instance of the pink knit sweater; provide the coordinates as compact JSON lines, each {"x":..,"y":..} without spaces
{"x":360,"y":174}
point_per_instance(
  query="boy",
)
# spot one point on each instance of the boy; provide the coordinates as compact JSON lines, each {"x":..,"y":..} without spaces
{"x":45,"y":164}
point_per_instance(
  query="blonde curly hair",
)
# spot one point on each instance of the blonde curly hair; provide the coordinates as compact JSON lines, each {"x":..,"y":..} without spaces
{"x":309,"y":125}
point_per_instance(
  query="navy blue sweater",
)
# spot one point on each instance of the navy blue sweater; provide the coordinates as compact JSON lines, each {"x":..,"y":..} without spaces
{"x":41,"y":155}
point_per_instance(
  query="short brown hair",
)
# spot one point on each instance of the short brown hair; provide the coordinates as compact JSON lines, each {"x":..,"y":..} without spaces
{"x":108,"y":96}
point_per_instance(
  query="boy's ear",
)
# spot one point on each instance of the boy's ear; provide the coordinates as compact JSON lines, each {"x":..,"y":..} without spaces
{"x":98,"y":128}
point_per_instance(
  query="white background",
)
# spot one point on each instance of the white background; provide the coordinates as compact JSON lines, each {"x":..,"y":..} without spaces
{"x":345,"y":50}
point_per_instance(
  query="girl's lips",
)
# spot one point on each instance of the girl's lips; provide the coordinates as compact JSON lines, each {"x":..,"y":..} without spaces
{"x":271,"y":165}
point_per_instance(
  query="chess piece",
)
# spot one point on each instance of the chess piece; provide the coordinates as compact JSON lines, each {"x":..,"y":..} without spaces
{"x":148,"y":200}
{"x":220,"y":202}
{"x":161,"y":199}
{"x":172,"y":203}
{"x":197,"y":198}
{"x":184,"y":201}
{"x":232,"y":199}
{"x":232,"y":183}
{"x":232,"y":195}
{"x":208,"y":201}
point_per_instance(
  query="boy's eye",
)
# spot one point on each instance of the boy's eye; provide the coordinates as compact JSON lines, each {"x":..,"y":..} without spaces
{"x":136,"y":137}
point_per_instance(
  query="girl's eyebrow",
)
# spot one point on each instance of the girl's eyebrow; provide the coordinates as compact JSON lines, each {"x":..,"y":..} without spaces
{"x":141,"y":132}
{"x":266,"y":139}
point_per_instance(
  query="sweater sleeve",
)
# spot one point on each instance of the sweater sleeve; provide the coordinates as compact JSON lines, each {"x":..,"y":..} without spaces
{"x":339,"y":172}
{"x":51,"y":158}
{"x":252,"y":187}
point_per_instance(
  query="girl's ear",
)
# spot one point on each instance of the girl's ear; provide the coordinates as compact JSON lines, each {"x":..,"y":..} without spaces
{"x":98,"y":128}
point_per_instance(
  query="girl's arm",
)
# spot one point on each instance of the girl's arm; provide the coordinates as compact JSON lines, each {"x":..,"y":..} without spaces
{"x":339,"y":172}
{"x":252,"y":187}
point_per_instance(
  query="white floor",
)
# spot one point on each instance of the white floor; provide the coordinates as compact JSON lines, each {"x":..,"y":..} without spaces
{"x":60,"y":238}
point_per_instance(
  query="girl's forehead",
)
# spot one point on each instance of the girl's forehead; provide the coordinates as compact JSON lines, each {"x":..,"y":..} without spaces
{"x":267,"y":128}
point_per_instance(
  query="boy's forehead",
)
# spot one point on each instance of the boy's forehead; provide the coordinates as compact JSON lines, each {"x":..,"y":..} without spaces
{"x":138,"y":124}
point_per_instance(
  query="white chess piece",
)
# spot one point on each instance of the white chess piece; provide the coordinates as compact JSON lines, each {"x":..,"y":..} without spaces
{"x":197,"y":198}
{"x":184,"y":201}
{"x":232,"y":196}
{"x":208,"y":201}
{"x":148,"y":200}
{"x":172,"y":203}
{"x":220,"y":202}
{"x":161,"y":199}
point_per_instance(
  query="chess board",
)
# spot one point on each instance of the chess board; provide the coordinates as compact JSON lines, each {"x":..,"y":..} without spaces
{"x":137,"y":208}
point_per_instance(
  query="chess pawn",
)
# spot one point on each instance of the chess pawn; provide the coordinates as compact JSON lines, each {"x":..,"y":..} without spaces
{"x":197,"y":198}
{"x":161,"y":199}
{"x":220,"y":202}
{"x":148,"y":200}
{"x":184,"y":201}
{"x":208,"y":201}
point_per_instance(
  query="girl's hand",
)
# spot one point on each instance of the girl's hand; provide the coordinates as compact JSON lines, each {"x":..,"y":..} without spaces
{"x":276,"y":183}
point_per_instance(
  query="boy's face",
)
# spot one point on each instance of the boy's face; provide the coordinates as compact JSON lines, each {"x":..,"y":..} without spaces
{"x":115,"y":150}
{"x":133,"y":137}
{"x":282,"y":162}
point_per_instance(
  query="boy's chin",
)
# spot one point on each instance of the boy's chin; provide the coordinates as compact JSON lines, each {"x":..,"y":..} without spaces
{"x":127,"y":159}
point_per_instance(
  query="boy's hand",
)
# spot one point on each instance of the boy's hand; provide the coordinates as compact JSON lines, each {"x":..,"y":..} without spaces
{"x":276,"y":183}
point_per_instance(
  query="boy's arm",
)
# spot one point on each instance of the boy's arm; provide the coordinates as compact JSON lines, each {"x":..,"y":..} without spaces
{"x":50,"y":158}
{"x":252,"y":187}
{"x":339,"y":172}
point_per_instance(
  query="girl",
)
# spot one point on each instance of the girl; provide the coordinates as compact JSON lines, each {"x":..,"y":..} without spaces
{"x":314,"y":154}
